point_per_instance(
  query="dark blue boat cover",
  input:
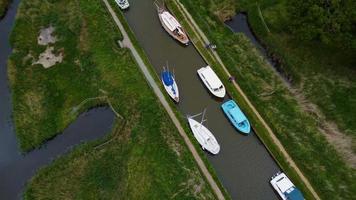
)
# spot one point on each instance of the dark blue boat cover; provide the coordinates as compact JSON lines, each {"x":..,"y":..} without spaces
{"x":167,"y":78}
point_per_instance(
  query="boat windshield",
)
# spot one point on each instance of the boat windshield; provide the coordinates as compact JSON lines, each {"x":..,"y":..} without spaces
{"x":177,"y":31}
{"x":122,"y":1}
{"x":219,"y":88}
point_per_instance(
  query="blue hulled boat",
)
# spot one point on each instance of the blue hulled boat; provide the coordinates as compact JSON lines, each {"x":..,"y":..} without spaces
{"x":170,"y":85}
{"x":236,"y":116}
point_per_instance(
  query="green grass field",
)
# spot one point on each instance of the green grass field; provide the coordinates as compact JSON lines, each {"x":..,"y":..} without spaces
{"x":147,"y":159}
{"x":324,"y":73}
{"x":3,"y":6}
{"x":296,"y":129}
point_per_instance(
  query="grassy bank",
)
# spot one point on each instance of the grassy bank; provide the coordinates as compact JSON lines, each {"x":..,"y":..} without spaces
{"x":297,"y":130}
{"x":146,"y":160}
{"x":3,"y":7}
{"x":325,"y":74}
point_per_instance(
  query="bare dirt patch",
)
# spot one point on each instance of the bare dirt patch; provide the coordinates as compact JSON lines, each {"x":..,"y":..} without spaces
{"x":47,"y":59}
{"x":46,"y":37}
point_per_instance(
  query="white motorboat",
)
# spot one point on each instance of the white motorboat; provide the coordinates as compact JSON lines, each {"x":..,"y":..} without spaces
{"x":212,"y":81}
{"x":205,"y":138}
{"x":285,"y":188}
{"x":172,"y":26}
{"x":123,"y":4}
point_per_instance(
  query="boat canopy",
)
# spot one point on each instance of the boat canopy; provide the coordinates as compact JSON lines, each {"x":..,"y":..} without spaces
{"x":167,"y":78}
{"x":237,"y":115}
{"x":211,"y":77}
{"x":284,"y":184}
{"x":171,"y":23}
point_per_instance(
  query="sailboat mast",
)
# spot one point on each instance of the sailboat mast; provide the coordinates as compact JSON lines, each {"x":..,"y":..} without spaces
{"x":167,"y":66}
{"x":202,"y":119}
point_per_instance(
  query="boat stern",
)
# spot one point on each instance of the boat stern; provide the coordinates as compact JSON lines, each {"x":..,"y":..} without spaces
{"x":221,"y":93}
{"x":215,"y":151}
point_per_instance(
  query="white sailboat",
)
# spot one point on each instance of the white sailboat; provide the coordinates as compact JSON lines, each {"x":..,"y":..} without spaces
{"x":212,"y":81}
{"x":205,"y":138}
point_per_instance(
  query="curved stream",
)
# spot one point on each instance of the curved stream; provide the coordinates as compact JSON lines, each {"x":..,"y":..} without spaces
{"x":16,"y":168}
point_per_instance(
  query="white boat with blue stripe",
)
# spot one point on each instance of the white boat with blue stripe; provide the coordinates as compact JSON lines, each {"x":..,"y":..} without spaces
{"x":170,"y":85}
{"x":285,"y":188}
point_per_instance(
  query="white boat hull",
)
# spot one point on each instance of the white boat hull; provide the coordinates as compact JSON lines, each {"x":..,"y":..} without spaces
{"x":169,"y":89}
{"x":205,"y":138}
{"x":220,"y":93}
{"x":284,"y":186}
{"x":184,"y":37}
{"x":124,"y":5}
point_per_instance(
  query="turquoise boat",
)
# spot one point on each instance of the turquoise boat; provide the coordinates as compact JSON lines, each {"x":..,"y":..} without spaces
{"x":236,"y":116}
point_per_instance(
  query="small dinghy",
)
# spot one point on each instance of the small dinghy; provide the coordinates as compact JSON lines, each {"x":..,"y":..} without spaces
{"x":172,"y":26}
{"x":205,"y":138}
{"x":212,"y":81}
{"x":123,"y":4}
{"x":236,"y":116}
{"x":170,"y":84}
{"x":285,"y":188}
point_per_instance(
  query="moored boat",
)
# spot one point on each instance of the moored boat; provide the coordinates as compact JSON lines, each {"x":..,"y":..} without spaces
{"x":236,"y":116}
{"x":172,"y":26}
{"x":205,"y":138}
{"x":170,"y":85}
{"x":285,"y":188}
{"x":212,"y":81}
{"x":123,"y":4}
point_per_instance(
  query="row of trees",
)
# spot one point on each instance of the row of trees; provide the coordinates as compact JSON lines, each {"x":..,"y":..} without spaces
{"x":330,"y":21}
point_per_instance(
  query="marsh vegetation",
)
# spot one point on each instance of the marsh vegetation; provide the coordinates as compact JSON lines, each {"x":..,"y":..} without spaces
{"x":145,"y":158}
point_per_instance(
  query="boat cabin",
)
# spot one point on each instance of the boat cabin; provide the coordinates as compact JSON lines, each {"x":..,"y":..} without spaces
{"x":123,"y":4}
{"x":212,"y":81}
{"x":285,"y":188}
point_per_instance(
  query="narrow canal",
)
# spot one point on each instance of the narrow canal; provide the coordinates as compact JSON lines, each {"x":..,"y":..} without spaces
{"x":16,"y":168}
{"x":243,"y":164}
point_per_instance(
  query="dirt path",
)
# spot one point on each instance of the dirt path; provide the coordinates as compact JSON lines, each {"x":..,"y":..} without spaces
{"x":127,"y":43}
{"x":201,"y":34}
